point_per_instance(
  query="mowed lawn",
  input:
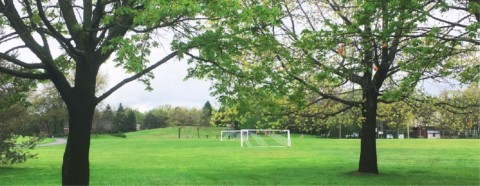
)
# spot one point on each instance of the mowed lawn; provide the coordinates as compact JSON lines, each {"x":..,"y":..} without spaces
{"x":157,"y":157}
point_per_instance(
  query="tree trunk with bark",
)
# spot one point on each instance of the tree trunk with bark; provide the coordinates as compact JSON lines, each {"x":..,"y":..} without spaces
{"x":81,"y":102}
{"x":179,"y":132}
{"x":75,"y":168}
{"x":368,"y":148}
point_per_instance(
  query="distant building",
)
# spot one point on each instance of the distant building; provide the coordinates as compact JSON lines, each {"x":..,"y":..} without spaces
{"x":433,"y":134}
{"x":138,"y":127}
{"x":426,"y":132}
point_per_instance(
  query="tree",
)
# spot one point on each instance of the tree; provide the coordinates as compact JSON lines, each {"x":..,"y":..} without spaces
{"x":105,"y":122}
{"x":226,"y":117}
{"x":87,"y":34}
{"x":140,"y":117}
{"x":179,"y":117}
{"x":397,"y":116}
{"x":12,"y":151}
{"x":459,"y":109}
{"x":49,"y":110}
{"x":12,"y":107}
{"x":469,"y":22}
{"x":296,"y":49}
{"x":207,"y":111}
{"x":124,"y":120}
{"x":153,"y":121}
{"x":130,"y":123}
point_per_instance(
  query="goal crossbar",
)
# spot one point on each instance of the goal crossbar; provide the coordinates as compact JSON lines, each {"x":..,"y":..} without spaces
{"x":243,"y":137}
{"x":229,"y":132}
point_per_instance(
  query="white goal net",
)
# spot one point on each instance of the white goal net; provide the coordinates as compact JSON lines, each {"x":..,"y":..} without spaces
{"x":230,"y":135}
{"x":265,"y":138}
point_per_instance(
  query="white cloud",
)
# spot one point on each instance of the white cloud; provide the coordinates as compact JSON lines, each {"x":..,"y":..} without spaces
{"x":169,"y":88}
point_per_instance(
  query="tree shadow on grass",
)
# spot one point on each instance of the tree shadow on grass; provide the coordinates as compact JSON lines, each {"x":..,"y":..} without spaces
{"x":11,"y":175}
{"x":317,"y":175}
{"x":14,"y":170}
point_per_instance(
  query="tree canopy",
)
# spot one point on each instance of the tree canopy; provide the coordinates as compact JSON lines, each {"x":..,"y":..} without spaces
{"x":78,"y":37}
{"x":306,"y":51}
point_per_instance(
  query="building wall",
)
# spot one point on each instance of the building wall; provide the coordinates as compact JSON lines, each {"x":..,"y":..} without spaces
{"x":433,"y":136}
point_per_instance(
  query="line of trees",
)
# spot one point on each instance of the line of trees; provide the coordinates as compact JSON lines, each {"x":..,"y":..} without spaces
{"x":44,"y":113}
{"x":45,"y":118}
{"x":126,"y":119}
{"x":452,"y":110}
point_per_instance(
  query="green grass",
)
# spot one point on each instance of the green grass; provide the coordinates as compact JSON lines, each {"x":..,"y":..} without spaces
{"x":46,"y":140}
{"x":157,"y":157}
{"x":43,"y":141}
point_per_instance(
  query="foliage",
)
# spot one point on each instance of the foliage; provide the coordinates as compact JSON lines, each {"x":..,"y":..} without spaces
{"x":124,"y":120}
{"x":13,"y":102}
{"x":130,"y":121}
{"x":104,"y":123}
{"x":207,"y":111}
{"x":458,"y":110}
{"x":155,"y":120}
{"x":226,"y":117}
{"x":119,"y":119}
{"x":398,"y":116}
{"x":16,"y":152}
{"x":49,"y":112}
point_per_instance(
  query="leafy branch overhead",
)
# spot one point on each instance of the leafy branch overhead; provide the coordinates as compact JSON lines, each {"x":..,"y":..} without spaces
{"x":328,"y":48}
{"x":87,"y":31}
{"x":59,"y":38}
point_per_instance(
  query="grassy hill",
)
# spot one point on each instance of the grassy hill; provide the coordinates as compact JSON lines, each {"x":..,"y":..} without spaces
{"x":158,"y":157}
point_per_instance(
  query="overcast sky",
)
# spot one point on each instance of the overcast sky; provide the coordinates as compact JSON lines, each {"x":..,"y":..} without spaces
{"x":169,"y":88}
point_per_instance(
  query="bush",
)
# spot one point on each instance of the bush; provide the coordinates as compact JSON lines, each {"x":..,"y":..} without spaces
{"x":12,"y":151}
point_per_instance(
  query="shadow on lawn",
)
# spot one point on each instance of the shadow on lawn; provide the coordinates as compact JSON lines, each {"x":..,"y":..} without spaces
{"x":13,"y":168}
{"x":316,"y":175}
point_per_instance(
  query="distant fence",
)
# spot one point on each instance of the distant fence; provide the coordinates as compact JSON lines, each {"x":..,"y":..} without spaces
{"x":394,"y":134}
{"x":442,"y":134}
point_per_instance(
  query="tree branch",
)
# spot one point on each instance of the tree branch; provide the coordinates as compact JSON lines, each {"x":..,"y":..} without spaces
{"x":64,"y":42}
{"x":315,"y":89}
{"x":26,"y":75}
{"x":70,"y":20}
{"x":22,"y":30}
{"x":136,"y":76}
{"x":21,"y":63}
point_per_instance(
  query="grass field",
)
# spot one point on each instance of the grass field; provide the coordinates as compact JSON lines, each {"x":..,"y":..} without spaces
{"x":157,"y":157}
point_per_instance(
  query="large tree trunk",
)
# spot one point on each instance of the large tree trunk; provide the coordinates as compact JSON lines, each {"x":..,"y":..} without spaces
{"x":75,"y":169}
{"x":368,"y":148}
{"x":81,"y":108}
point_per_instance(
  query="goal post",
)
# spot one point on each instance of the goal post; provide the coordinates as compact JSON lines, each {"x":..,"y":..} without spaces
{"x":229,"y":135}
{"x":265,"y":138}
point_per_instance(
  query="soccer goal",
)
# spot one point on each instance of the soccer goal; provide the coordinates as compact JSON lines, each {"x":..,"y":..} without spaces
{"x":230,"y":135}
{"x":265,"y":138}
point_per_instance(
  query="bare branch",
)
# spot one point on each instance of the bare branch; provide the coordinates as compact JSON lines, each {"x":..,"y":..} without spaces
{"x":26,"y":75}
{"x":70,"y":20}
{"x":64,"y":42}
{"x":22,"y":30}
{"x":21,"y":63}
{"x":136,"y":76}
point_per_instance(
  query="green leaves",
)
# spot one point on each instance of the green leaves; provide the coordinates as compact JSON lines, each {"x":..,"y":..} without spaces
{"x":276,"y":56}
